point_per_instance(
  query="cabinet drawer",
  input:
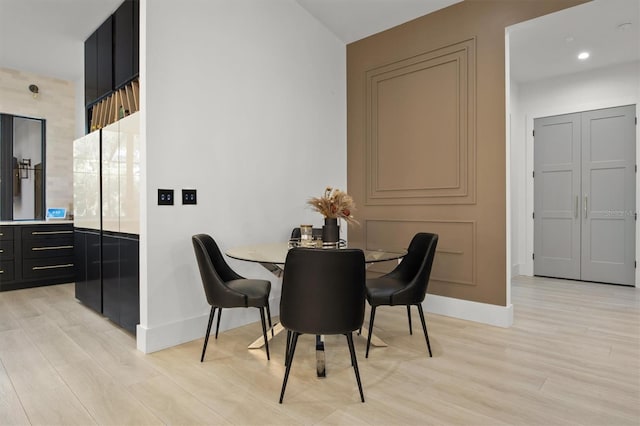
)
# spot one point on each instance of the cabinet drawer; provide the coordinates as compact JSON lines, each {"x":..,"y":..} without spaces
{"x":48,"y":267}
{"x":45,"y":232}
{"x":6,"y":233}
{"x":6,"y":249}
{"x":6,"y":270}
{"x":60,"y":246}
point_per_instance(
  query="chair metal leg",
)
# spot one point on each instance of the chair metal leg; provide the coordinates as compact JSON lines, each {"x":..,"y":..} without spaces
{"x":354,"y":363}
{"x":424,"y":328}
{"x":269,"y":317}
{"x":206,"y":336}
{"x":294,"y":341}
{"x":409,"y":316}
{"x":218,"y":323}
{"x":286,"y":350}
{"x":264,"y":331}
{"x":371,"y":318}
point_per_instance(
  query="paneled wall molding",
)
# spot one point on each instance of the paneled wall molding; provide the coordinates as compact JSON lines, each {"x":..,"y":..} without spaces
{"x":420,"y":128}
{"x":455,"y":262}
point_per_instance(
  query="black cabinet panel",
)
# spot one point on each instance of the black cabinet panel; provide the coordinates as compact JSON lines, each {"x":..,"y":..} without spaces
{"x":91,"y":69}
{"x":87,"y":261}
{"x":94,"y":271}
{"x":129,"y":283}
{"x":111,"y":277}
{"x":47,"y":268}
{"x":7,"y":270}
{"x":120,"y":279}
{"x":105,"y":57}
{"x":123,"y":43}
{"x":80,"y":263}
{"x":6,"y":249}
{"x":135,"y":41}
{"x":108,"y":280}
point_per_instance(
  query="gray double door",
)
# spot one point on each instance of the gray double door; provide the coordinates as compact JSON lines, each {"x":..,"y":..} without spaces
{"x":584,"y":196}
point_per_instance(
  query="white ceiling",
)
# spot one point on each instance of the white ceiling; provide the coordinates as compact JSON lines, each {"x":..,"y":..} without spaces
{"x":353,"y":20}
{"x":549,"y":45}
{"x":46,"y":36}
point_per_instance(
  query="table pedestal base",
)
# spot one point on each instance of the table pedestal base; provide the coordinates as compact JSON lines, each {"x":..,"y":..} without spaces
{"x":320,"y":358}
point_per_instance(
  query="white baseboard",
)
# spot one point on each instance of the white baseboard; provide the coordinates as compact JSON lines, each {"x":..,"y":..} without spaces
{"x":173,"y":334}
{"x":500,"y":316}
{"x":516,"y":269}
{"x":167,"y":335}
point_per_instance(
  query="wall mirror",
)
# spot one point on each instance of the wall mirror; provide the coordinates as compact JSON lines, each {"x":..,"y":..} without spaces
{"x":22,"y":168}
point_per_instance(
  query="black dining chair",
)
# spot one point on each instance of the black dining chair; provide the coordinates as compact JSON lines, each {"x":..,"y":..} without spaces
{"x":323,"y":293}
{"x":406,"y":284}
{"x":224,"y":288}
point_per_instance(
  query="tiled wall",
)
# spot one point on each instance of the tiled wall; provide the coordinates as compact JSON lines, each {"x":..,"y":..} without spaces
{"x":55,"y":103}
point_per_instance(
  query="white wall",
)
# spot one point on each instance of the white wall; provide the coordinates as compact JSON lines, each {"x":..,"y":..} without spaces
{"x":602,"y":88}
{"x":245,"y":101}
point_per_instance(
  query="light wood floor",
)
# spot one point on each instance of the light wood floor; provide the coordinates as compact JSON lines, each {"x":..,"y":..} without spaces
{"x":572,"y":357}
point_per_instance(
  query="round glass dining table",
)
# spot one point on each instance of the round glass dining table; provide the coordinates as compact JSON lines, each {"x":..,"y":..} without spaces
{"x":276,"y":254}
{"x":273,"y":257}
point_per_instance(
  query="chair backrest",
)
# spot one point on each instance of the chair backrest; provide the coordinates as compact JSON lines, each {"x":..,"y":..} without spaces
{"x":415,"y":268}
{"x":323,"y":291}
{"x":213,"y":268}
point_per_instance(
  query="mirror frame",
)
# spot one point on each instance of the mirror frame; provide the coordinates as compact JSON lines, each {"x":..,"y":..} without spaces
{"x":6,"y":166}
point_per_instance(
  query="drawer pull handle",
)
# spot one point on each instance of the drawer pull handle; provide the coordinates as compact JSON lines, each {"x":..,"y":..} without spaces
{"x":50,"y":248}
{"x":1,"y":271}
{"x":50,"y":232}
{"x":1,"y":250}
{"x":39,"y":268}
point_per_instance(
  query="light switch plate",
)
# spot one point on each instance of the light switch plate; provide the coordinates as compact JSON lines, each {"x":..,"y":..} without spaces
{"x":189,"y":196}
{"x":165,"y":197}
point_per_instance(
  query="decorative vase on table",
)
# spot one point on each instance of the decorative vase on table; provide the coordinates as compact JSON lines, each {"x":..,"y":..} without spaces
{"x":330,"y":231}
{"x":334,"y":204}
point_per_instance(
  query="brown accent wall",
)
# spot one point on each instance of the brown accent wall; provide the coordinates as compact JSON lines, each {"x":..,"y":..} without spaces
{"x":426,"y":140}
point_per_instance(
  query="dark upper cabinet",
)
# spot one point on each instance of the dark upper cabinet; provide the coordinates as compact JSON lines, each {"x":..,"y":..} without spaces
{"x":125,"y":42}
{"x":98,"y":62}
{"x":91,"y":69}
{"x":105,"y":57}
{"x":136,"y":36}
{"x":111,"y":53}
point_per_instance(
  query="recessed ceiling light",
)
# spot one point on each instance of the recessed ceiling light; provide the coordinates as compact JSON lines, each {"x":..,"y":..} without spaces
{"x":583,"y":55}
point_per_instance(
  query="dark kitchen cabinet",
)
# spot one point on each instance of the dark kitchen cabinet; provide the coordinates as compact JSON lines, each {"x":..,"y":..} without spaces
{"x":112,"y":66}
{"x":105,"y":58}
{"x":36,"y":255}
{"x":98,"y":67}
{"x":125,"y":42}
{"x":120,"y":279}
{"x":87,"y":260}
{"x":91,"y":69}
{"x":106,"y":213}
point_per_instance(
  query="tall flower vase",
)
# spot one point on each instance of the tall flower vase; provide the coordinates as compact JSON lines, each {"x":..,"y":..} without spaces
{"x":330,"y":231}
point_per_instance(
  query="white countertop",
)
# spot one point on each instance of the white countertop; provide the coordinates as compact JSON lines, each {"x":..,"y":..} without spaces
{"x":34,"y":222}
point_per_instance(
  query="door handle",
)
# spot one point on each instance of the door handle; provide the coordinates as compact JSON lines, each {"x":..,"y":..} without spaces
{"x":577,"y":207}
{"x":585,"y":205}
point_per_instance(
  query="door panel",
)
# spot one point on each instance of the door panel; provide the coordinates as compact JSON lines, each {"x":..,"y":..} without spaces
{"x":584,"y":196}
{"x":556,"y":194}
{"x":608,"y":170}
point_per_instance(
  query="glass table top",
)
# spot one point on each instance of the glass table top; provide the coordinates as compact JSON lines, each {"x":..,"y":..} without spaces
{"x":276,"y":253}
